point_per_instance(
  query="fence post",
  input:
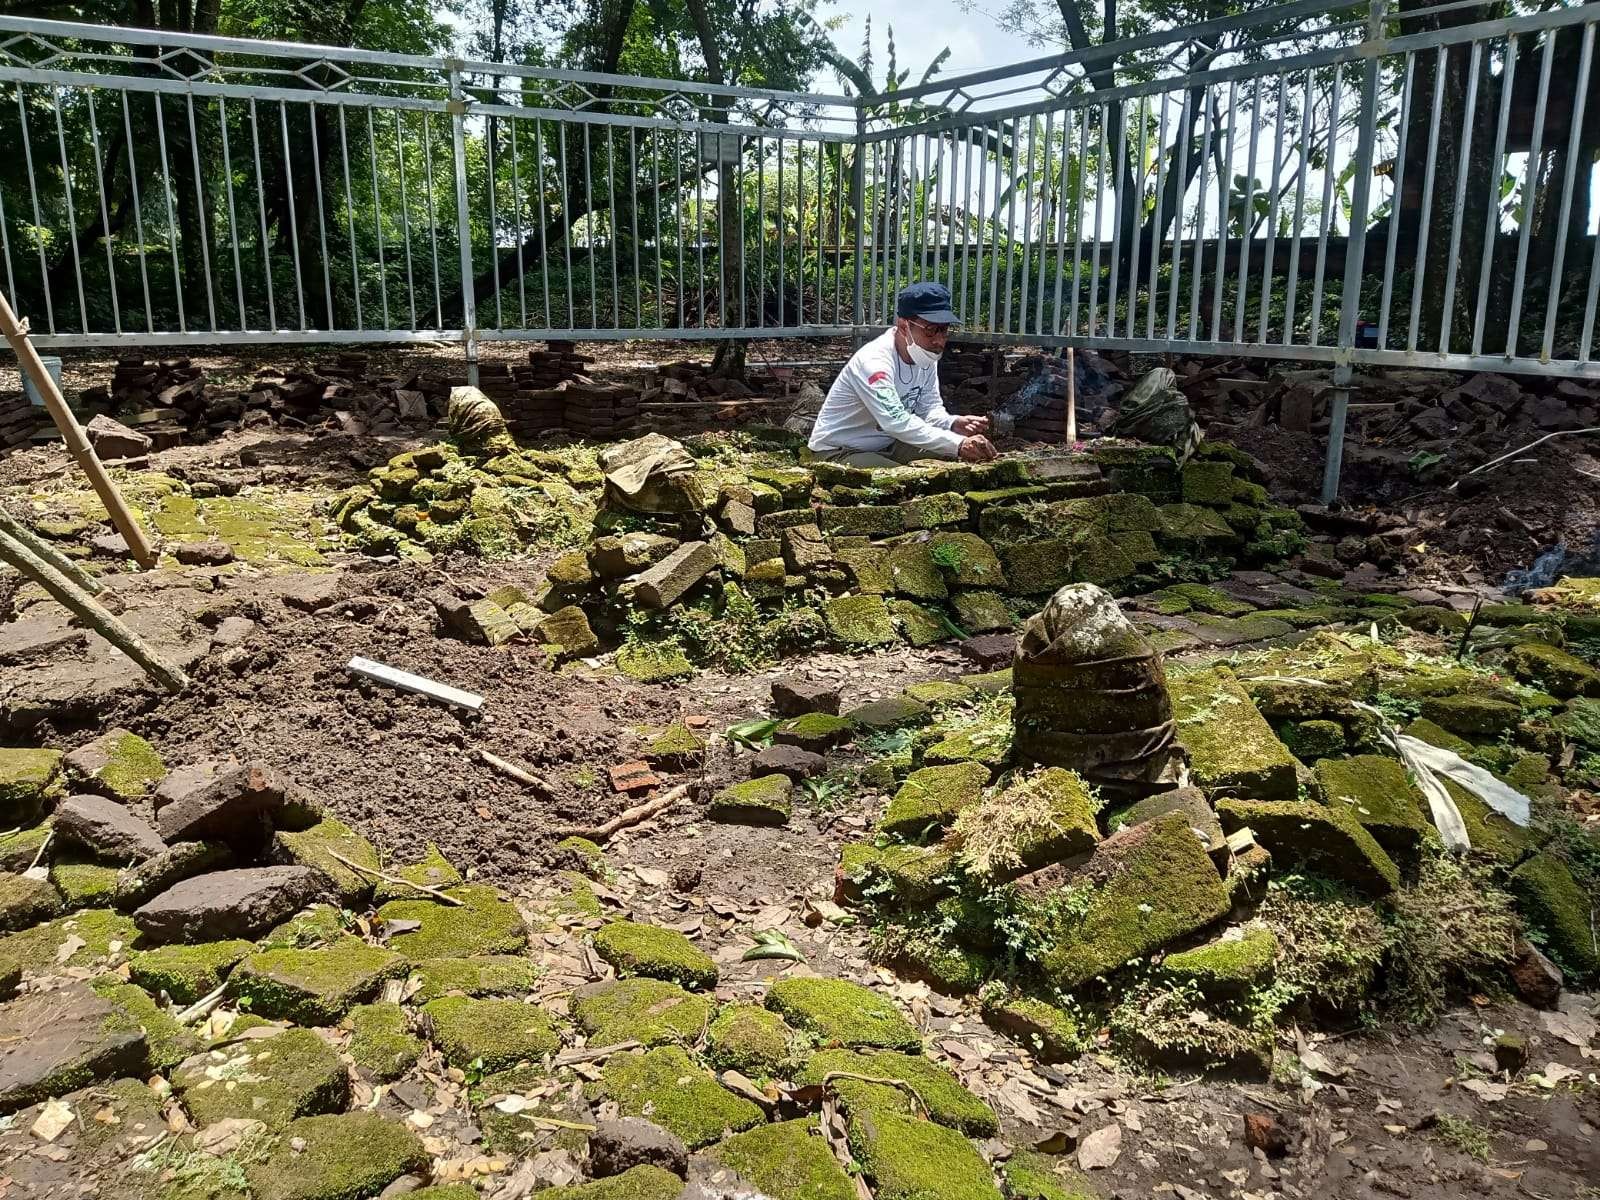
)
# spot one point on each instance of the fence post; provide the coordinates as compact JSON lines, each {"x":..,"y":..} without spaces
{"x":457,"y":109}
{"x":1355,"y":250}
{"x":858,"y":169}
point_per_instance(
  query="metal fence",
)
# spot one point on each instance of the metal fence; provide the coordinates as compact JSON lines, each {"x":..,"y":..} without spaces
{"x":1401,"y":186}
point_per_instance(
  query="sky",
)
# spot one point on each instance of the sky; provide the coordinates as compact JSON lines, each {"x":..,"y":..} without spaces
{"x":924,"y":27}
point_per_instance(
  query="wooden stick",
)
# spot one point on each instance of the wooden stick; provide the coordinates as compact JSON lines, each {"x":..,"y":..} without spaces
{"x":512,"y":771}
{"x":632,"y":816}
{"x":203,"y":1005}
{"x":50,"y":554}
{"x":591,"y":1054}
{"x":388,"y":878}
{"x":90,"y":611}
{"x":16,"y":332}
{"x":1072,"y":395}
{"x":1495,"y":462}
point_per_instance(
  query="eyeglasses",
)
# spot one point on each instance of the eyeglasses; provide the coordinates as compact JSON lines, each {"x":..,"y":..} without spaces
{"x":928,"y":330}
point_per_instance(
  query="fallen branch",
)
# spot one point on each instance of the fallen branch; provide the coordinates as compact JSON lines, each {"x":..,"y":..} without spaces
{"x":633,"y":816}
{"x":388,"y":878}
{"x":511,"y":771}
{"x":39,"y":857}
{"x":593,"y":1053}
{"x":1495,"y":462}
{"x":898,"y":1083}
{"x":50,"y":554}
{"x":203,"y":1006}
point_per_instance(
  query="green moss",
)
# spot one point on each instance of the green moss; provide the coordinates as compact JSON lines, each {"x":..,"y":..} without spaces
{"x":84,"y":884}
{"x":18,"y":850}
{"x":583,"y":856}
{"x":1559,"y":913}
{"x":1204,"y":599}
{"x":316,"y":848}
{"x":275,"y":1079}
{"x":1045,"y":817}
{"x":1034,"y":568}
{"x":313,"y":987}
{"x":166,"y":1042}
{"x":749,"y":1039}
{"x":1229,"y":967}
{"x":654,"y":662}
{"x":633,"y":948}
{"x":1472,"y":716}
{"x":665,"y":1085}
{"x":484,"y":925}
{"x":433,"y":871}
{"x":1231,"y":748}
{"x":981,"y":612}
{"x":916,"y":573}
{"x":345,"y":1157}
{"x":25,"y":779}
{"x":104,"y":934}
{"x":25,"y":902}
{"x":186,"y":973}
{"x":1030,"y":1175}
{"x":132,"y":767}
{"x":1327,"y":841}
{"x":764,"y":800}
{"x":1188,"y":526}
{"x":909,"y":1159}
{"x":839,"y":1013}
{"x":1377,"y":793}
{"x":500,"y":1032}
{"x":815,"y":731}
{"x":916,"y":874}
{"x":639,"y":1183}
{"x":1436,"y":735}
{"x":319,"y":925}
{"x":867,"y":519}
{"x":566,"y":634}
{"x":859,"y":620}
{"x":1052,"y":1033}
{"x":381,"y":1042}
{"x":938,"y":1093}
{"x":895,"y":712}
{"x":650,"y":1011}
{"x":939,"y":693}
{"x":790,"y":1159}
{"x":1580,"y":722}
{"x":1556,"y":671}
{"x":484,"y":975}
{"x":1147,"y":886}
{"x":933,"y":797}
{"x":987,"y":742}
{"x":676,"y":748}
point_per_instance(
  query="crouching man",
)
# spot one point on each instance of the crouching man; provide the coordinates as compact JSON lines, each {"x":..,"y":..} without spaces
{"x":884,"y":410}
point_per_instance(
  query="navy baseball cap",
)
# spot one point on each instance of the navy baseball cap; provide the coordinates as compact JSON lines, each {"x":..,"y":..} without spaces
{"x":928,"y":302}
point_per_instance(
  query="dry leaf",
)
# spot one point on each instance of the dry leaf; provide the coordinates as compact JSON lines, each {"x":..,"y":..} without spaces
{"x":651,"y":876}
{"x":54,"y":1117}
{"x":1574,"y":1028}
{"x":1485,"y":1090}
{"x":1101,"y":1148}
{"x":226,"y":1136}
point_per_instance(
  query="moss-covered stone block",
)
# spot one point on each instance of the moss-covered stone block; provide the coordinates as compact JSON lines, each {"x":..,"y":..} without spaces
{"x":633,"y":948}
{"x":1229,"y":967}
{"x":1182,"y":597}
{"x":26,"y":777}
{"x":1558,"y":913}
{"x":765,"y":800}
{"x":1049,"y":1031}
{"x":665,"y":1085}
{"x":1044,"y":817}
{"x":940,"y":693}
{"x":868,"y":570}
{"x":869,"y":520}
{"x":1231,"y":748}
{"x":1432,"y":618}
{"x":20,"y":848}
{"x":653,"y":662}
{"x":650,"y":1011}
{"x":1557,"y":672}
{"x":186,"y":973}
{"x":916,"y":874}
{"x":434,"y":870}
{"x":790,"y":1159}
{"x":911,"y":1159}
{"x":840,"y":1013}
{"x":676,"y":748}
{"x":313,"y":987}
{"x":966,"y":561}
{"x":1377,"y":793}
{"x":638,"y":1183}
{"x":981,"y":612}
{"x":567,"y":634}
{"x":915,"y":572}
{"x":1328,"y":841}
{"x":934,"y":512}
{"x":749,"y":1039}
{"x":1311,"y":740}
{"x":1191,"y":527}
{"x":381,"y":1041}
{"x":859,"y":620}
{"x":118,"y":763}
{"x":343,"y":1157}
{"x":584,"y":856}
{"x":25,"y":901}
{"x":484,"y":924}
{"x":84,"y":884}
{"x":987,"y":742}
{"x":166,"y":1042}
{"x":88,"y":937}
{"x":895,"y":712}
{"x":817,"y":732}
{"x":930,"y":1089}
{"x":1145,"y":887}
{"x":1035,"y":568}
{"x":1030,"y":1175}
{"x":1207,"y":483}
{"x":480,"y":975}
{"x":1473,"y":717}
{"x":1580,"y":722}
{"x":316,"y":848}
{"x":500,"y":1032}
{"x":275,"y":1079}
{"x":932,"y":798}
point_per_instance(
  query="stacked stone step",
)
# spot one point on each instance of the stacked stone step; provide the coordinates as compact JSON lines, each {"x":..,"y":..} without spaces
{"x":18,"y":419}
{"x":601,"y":410}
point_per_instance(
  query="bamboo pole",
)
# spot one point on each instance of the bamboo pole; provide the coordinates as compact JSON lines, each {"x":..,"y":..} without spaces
{"x":90,"y":611}
{"x":1072,"y":396}
{"x":50,"y":554}
{"x":16,"y":332}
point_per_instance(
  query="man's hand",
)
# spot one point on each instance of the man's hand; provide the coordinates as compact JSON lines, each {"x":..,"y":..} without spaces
{"x":970,"y":426}
{"x":977,"y":449}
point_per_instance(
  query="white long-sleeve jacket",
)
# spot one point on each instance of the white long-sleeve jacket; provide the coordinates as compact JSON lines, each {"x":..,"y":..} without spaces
{"x":879,"y":399}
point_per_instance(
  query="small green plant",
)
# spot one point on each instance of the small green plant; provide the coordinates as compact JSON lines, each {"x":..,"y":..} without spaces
{"x":823,"y":792}
{"x":1464,"y":1135}
{"x":754,"y":734}
{"x":473,"y":1079}
{"x":585,"y":779}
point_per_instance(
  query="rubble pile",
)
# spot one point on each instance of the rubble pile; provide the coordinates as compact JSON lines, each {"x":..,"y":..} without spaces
{"x":997,"y":869}
{"x":170,"y":402}
{"x":918,"y":553}
{"x":682,"y":397}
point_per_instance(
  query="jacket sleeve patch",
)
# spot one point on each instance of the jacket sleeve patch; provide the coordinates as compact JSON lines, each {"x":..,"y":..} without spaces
{"x":877,"y":377}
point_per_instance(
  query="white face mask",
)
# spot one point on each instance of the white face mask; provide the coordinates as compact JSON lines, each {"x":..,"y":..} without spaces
{"x":922,"y":357}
